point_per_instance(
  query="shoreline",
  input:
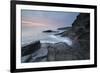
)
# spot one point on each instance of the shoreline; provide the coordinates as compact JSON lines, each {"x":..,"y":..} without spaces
{"x":54,"y":52}
{"x":61,"y":51}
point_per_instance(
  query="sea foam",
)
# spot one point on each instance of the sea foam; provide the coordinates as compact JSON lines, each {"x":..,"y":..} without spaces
{"x":56,"y":39}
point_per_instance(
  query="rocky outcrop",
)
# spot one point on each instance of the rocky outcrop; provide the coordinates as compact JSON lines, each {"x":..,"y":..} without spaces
{"x":34,"y":52}
{"x":49,"y":31}
{"x":80,"y":32}
{"x":38,"y":56}
{"x":64,"y":28}
{"x":31,"y":48}
{"x":53,"y":52}
{"x":61,"y":52}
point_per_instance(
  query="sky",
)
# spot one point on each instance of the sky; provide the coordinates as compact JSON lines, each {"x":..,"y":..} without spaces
{"x":48,"y":19}
{"x":34,"y":22}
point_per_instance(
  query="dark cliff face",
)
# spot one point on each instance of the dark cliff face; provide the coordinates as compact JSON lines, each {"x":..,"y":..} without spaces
{"x":81,"y":27}
{"x":81,"y":32}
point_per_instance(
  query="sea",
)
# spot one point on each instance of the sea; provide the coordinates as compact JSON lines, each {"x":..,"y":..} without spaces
{"x":45,"y":37}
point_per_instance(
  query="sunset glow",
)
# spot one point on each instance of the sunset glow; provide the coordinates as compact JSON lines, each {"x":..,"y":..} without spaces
{"x":30,"y":23}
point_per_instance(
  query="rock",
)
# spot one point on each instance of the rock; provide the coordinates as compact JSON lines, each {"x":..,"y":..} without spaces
{"x":38,"y":56}
{"x":49,"y":31}
{"x":31,"y":48}
{"x":60,"y":52}
{"x":51,"y":53}
{"x":80,"y":32}
{"x":65,"y":28}
{"x":26,"y":58}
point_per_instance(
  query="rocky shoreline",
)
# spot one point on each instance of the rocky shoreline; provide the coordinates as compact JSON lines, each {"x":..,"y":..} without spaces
{"x":79,"y":50}
{"x":54,"y":52}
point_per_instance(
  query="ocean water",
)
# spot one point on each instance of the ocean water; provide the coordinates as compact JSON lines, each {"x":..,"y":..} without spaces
{"x":56,"y":39}
{"x":49,"y":37}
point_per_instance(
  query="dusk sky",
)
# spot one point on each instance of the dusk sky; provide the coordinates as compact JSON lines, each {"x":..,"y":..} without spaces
{"x":47,"y":18}
{"x":33,"y":22}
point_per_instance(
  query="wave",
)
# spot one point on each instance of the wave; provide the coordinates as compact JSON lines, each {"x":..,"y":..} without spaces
{"x":56,"y":39}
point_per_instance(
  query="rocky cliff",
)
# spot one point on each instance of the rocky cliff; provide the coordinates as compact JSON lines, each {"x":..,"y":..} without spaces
{"x":80,"y":32}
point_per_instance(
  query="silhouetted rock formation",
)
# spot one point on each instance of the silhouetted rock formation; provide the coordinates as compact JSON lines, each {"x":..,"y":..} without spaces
{"x":49,"y":31}
{"x":64,"y":28}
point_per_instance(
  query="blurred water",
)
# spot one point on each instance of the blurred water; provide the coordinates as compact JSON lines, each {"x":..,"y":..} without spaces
{"x":56,"y":39}
{"x":45,"y":38}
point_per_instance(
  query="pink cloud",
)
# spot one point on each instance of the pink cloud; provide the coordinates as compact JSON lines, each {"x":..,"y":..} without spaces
{"x":30,"y":23}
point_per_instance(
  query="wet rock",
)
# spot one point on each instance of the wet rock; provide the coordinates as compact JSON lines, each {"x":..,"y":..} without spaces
{"x":60,"y":52}
{"x":26,"y":58}
{"x":38,"y":56}
{"x":31,"y":48}
{"x":51,"y":53}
